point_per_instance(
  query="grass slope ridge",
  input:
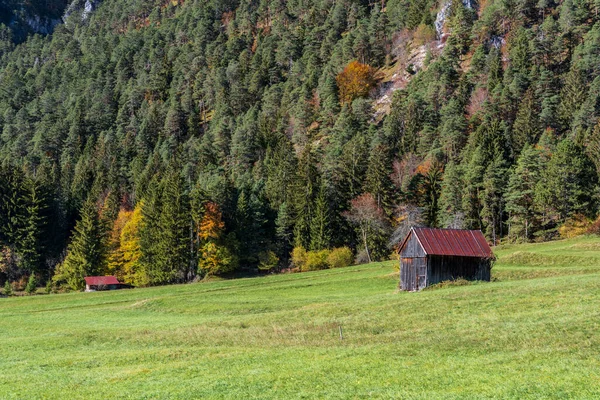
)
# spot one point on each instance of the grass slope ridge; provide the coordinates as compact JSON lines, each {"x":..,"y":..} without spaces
{"x":278,"y":336}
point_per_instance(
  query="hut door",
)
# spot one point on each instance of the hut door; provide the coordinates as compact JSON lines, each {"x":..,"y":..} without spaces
{"x":421,"y":272}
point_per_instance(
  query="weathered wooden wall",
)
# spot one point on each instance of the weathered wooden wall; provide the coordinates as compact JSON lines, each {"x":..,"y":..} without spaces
{"x":412,"y":248}
{"x":413,"y":265}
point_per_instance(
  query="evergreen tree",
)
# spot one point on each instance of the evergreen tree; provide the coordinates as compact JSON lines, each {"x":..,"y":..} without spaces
{"x":520,"y":194}
{"x":320,"y":230}
{"x":284,"y":231}
{"x":86,"y":252}
{"x":378,"y":181}
{"x":526,"y":128}
{"x":31,"y":284}
{"x":33,"y":243}
{"x":451,"y":203}
{"x":172,"y":254}
{"x":306,"y":192}
{"x":492,"y":198}
{"x":568,"y":185}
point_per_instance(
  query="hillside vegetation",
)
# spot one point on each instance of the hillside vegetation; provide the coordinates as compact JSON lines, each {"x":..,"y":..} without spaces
{"x":164,"y":141}
{"x":531,"y":333}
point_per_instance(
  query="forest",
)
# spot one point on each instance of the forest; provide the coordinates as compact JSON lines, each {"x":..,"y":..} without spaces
{"x":165,"y":141}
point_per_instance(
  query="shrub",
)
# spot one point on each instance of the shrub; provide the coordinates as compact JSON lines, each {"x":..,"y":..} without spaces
{"x":316,"y":260}
{"x":299,"y":256}
{"x":267,"y":260}
{"x":8,"y":289}
{"x":49,"y":286}
{"x":340,"y":257}
{"x":216,"y":259}
{"x":424,"y":34}
{"x":594,"y":229}
{"x":576,"y":226}
{"x":361,"y":258}
{"x":31,"y":284}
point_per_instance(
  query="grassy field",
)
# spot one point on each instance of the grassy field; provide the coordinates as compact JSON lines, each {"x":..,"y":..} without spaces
{"x":531,"y":333}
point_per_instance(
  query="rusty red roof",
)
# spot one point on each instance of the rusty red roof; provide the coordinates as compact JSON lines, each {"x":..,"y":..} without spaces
{"x":101,"y":280}
{"x":452,"y":242}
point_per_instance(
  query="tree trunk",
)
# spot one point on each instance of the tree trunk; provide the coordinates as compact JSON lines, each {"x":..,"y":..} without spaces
{"x":364,"y":232}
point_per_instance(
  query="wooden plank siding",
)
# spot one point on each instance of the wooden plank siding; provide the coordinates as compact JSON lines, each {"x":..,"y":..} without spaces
{"x":412,"y":261}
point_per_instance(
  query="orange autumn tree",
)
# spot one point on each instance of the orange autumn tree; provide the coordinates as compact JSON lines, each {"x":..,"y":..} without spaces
{"x":215,"y":258}
{"x":355,"y":81}
{"x":211,"y":226}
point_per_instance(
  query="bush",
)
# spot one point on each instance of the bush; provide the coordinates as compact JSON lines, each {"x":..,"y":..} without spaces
{"x":424,"y":34}
{"x":31,"y":284}
{"x":594,"y":229}
{"x":216,"y":259}
{"x":267,"y":260}
{"x":299,"y":256}
{"x":340,"y":257}
{"x":316,"y":260}
{"x":8,"y":289}
{"x":576,"y":226}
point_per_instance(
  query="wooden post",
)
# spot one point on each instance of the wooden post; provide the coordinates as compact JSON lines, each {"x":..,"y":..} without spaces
{"x":341,"y":333}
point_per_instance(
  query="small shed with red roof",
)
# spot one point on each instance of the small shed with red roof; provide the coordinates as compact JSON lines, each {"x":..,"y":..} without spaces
{"x":94,"y":283}
{"x":429,"y":256}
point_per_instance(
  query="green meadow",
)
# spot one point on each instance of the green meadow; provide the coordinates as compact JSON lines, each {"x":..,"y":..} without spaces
{"x":533,"y":332}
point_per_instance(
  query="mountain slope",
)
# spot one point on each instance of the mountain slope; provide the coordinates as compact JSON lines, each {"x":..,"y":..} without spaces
{"x":274,"y":114}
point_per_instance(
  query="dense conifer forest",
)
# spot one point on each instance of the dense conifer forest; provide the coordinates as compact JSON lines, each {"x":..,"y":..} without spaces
{"x":163,"y":141}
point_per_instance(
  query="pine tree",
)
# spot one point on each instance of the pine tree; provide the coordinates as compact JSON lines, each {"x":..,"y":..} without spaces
{"x":86,"y":252}
{"x":492,"y":198}
{"x":172,"y":255}
{"x":526,"y":129}
{"x":520,"y":194}
{"x":568,"y":184}
{"x":8,"y":291}
{"x":472,"y":189}
{"x":284,"y":231}
{"x":31,"y":284}
{"x":378,"y":181}
{"x":149,"y":230}
{"x":320,"y":230}
{"x":451,"y":207}
{"x":306,"y":191}
{"x":33,"y":243}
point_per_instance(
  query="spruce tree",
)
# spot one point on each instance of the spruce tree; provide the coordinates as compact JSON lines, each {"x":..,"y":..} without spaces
{"x":568,"y":184}
{"x":492,"y":198}
{"x":451,"y":207}
{"x":33,"y":243}
{"x":172,"y":244}
{"x":86,"y":252}
{"x":284,"y":231}
{"x":520,"y":195}
{"x":378,"y":181}
{"x":306,"y":191}
{"x":320,"y":230}
{"x":31,"y":284}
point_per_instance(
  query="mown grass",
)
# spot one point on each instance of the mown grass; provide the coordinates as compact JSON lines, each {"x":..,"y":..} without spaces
{"x":532,"y":333}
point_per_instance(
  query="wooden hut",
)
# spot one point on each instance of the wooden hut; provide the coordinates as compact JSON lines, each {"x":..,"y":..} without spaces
{"x":94,"y":283}
{"x":429,"y":256}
